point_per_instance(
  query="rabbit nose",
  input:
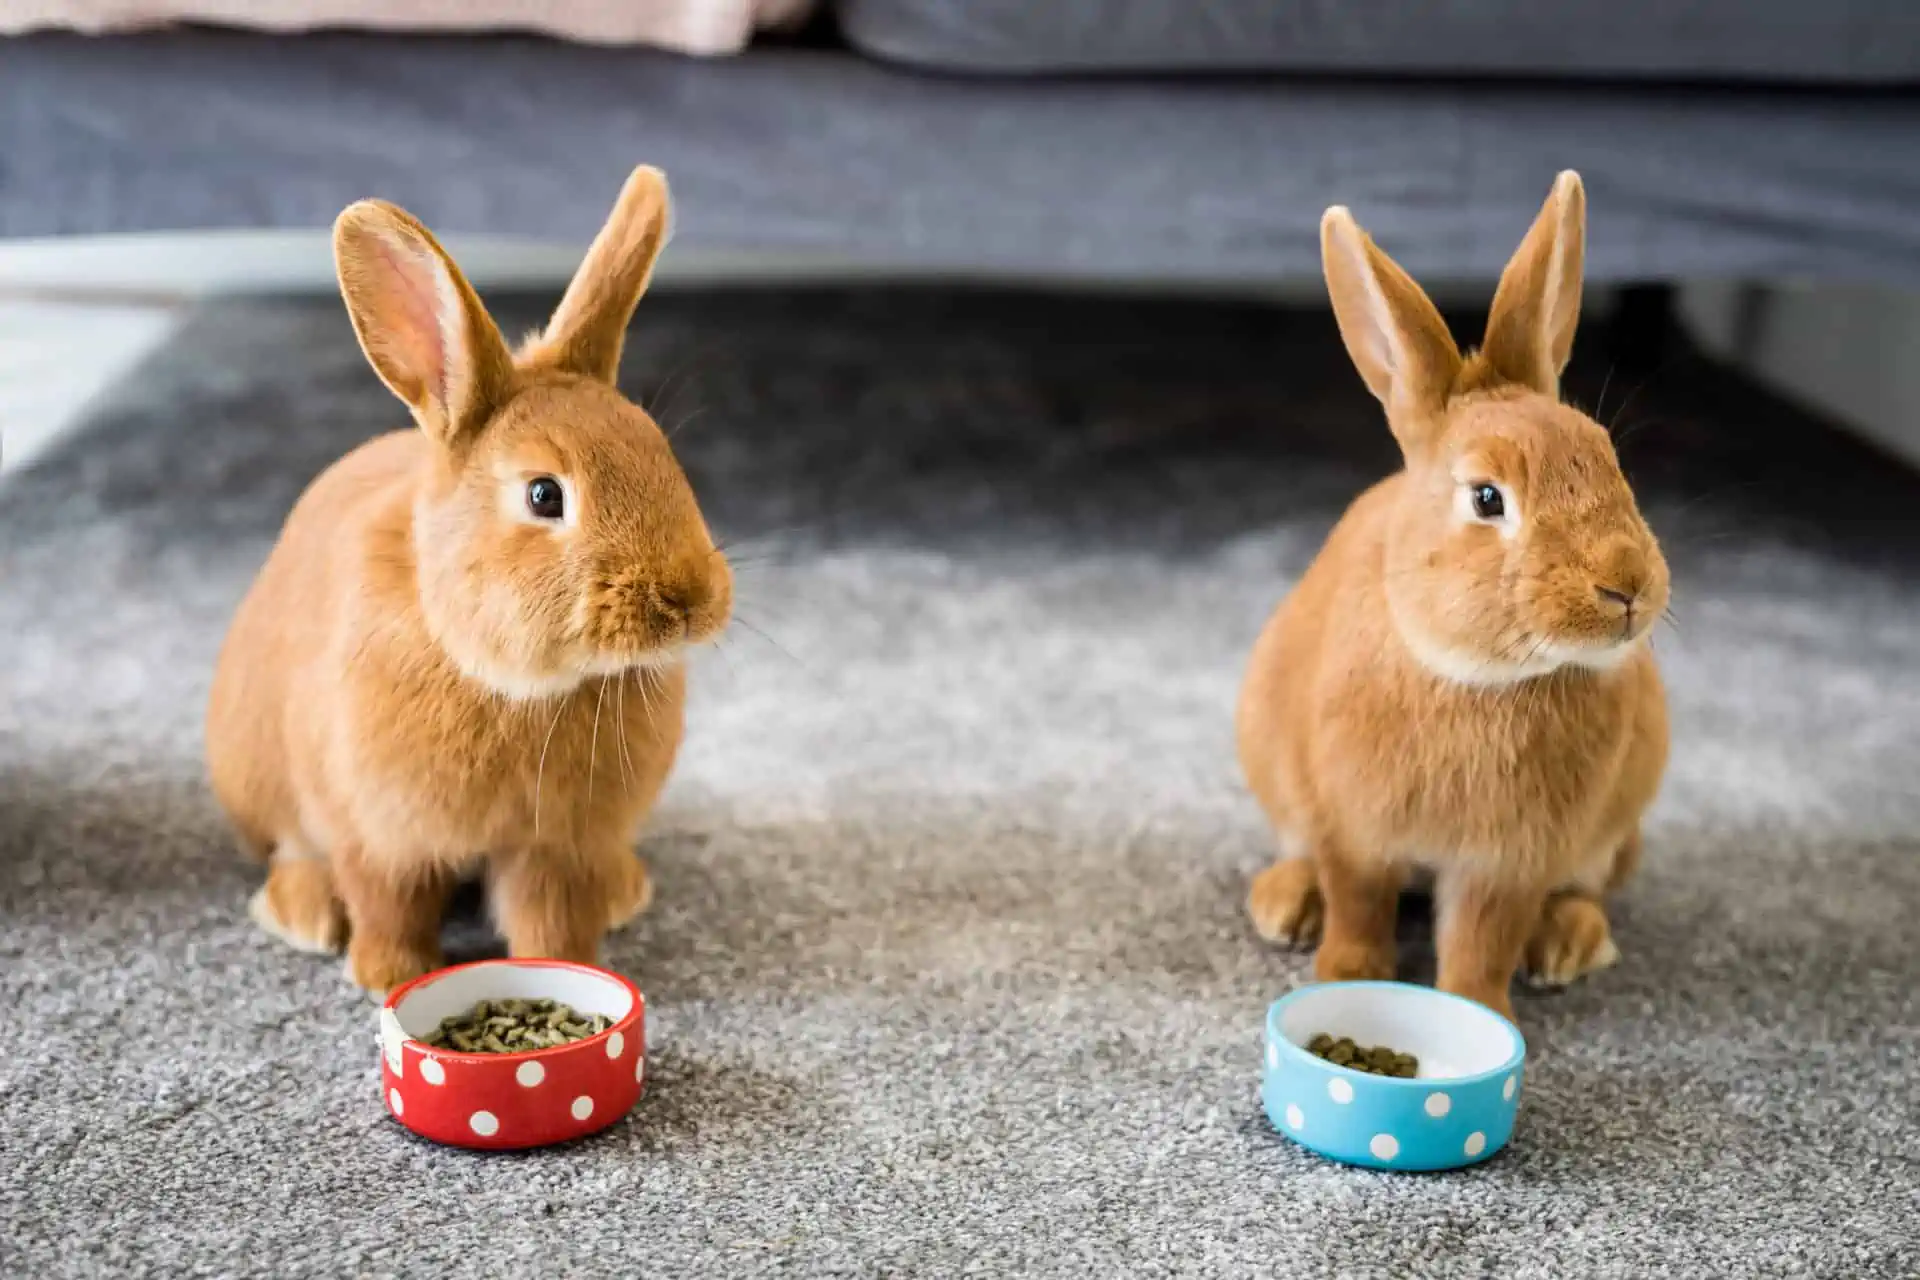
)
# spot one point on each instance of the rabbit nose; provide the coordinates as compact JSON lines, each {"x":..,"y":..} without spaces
{"x":677,"y":599}
{"x":671,"y":606}
{"x":1612,"y":596}
{"x":1625,"y":600}
{"x":677,"y":602}
{"x":1620,"y":573}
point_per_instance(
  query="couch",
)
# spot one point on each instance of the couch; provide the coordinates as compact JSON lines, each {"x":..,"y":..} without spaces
{"x":1114,"y":139}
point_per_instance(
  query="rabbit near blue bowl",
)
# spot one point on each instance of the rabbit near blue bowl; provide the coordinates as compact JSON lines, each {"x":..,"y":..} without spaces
{"x":1458,"y":1111}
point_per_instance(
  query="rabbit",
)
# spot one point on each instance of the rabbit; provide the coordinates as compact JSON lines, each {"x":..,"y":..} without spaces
{"x":1461,"y":686}
{"x":465,"y":653}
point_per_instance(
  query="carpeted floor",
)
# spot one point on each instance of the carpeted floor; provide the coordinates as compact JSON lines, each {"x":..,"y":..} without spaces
{"x":948,"y":972}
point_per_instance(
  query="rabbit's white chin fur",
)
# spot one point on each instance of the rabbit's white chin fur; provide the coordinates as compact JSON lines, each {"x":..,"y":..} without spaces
{"x":1602,"y":657}
{"x":613,"y":664}
{"x":528,"y":686}
{"x":1465,"y":667}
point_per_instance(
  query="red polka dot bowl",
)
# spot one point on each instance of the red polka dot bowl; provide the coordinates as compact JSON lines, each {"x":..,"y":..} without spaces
{"x":502,"y":1101}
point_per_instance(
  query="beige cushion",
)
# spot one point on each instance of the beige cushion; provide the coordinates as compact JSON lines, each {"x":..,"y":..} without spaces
{"x":688,"y":26}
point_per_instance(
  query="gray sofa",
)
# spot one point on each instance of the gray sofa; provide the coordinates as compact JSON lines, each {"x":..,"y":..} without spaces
{"x":1134,"y":139}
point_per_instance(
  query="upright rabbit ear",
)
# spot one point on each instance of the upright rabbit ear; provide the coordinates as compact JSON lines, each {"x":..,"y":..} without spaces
{"x":1537,"y":308}
{"x":590,"y":324}
{"x":1392,"y":330}
{"x":419,"y":321}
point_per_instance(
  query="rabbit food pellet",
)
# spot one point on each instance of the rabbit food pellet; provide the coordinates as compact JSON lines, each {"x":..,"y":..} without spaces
{"x":1379,"y":1060}
{"x":515,"y":1026}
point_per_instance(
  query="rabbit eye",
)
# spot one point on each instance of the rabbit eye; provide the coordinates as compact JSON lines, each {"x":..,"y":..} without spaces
{"x":1488,"y":502}
{"x":545,"y":498}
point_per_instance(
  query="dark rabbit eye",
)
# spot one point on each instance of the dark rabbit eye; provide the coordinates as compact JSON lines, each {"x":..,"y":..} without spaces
{"x":1487,"y":502}
{"x":545,"y":498}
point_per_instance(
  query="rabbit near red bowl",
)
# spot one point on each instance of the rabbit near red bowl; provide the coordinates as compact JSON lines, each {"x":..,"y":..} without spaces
{"x":502,"y":1101}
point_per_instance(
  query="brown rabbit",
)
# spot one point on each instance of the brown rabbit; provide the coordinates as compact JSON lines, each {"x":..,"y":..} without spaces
{"x":1461,"y":683}
{"x":465,"y":651}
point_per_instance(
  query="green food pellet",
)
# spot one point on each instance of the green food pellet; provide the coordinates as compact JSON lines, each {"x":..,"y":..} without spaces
{"x":1379,"y":1060}
{"x":515,"y":1026}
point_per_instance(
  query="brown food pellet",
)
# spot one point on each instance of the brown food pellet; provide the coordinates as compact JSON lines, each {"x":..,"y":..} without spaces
{"x":515,"y":1026}
{"x":1379,"y":1060}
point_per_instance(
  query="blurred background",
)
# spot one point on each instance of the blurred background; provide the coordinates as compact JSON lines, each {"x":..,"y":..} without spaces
{"x":1753,"y":167}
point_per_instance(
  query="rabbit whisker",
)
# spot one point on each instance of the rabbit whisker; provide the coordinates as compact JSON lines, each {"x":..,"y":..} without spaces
{"x":620,"y":715}
{"x":683,"y":423}
{"x":687,"y":372}
{"x":720,"y":647}
{"x":540,"y":775}
{"x":1718,"y":491}
{"x":593,"y":752}
{"x":775,"y":532}
{"x":1633,"y":395}
{"x":783,"y":650}
{"x":1633,"y":429}
{"x":685,"y":366}
{"x":644,"y":679}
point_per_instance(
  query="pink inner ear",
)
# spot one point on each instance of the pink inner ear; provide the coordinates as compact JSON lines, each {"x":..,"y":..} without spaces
{"x":408,"y":306}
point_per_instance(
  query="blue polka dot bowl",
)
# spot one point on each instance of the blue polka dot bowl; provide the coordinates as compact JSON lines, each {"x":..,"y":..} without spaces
{"x":1459,"y":1109}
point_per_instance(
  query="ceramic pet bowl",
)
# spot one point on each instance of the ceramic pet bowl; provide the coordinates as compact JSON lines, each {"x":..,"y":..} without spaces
{"x":496,"y":1101}
{"x":1459,"y":1109}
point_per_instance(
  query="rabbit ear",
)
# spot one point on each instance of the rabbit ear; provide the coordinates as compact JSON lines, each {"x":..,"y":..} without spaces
{"x":590,"y":324}
{"x":419,"y":321}
{"x":1530,"y":331}
{"x":1392,"y":330}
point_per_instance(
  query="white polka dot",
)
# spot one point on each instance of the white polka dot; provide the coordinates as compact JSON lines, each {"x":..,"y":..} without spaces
{"x":483,"y":1123}
{"x":432,"y":1072}
{"x":1438,"y":1104}
{"x":582,"y":1107}
{"x":1384,"y":1146}
{"x":640,"y":1069}
{"x":1273,"y":1056}
{"x":392,"y":1036}
{"x":1476,"y":1143}
{"x":530,"y":1074}
{"x":399,"y":1105}
{"x":616,"y":1045}
{"x":1506,"y":1090}
{"x":1339,"y":1090}
{"x":1295,"y":1120}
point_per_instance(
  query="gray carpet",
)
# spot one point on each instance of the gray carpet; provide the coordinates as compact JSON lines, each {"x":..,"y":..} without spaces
{"x":948,"y":972}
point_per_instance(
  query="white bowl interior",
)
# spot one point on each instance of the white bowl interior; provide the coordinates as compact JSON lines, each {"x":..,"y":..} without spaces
{"x":423,"y":1008}
{"x":1452,"y":1038}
